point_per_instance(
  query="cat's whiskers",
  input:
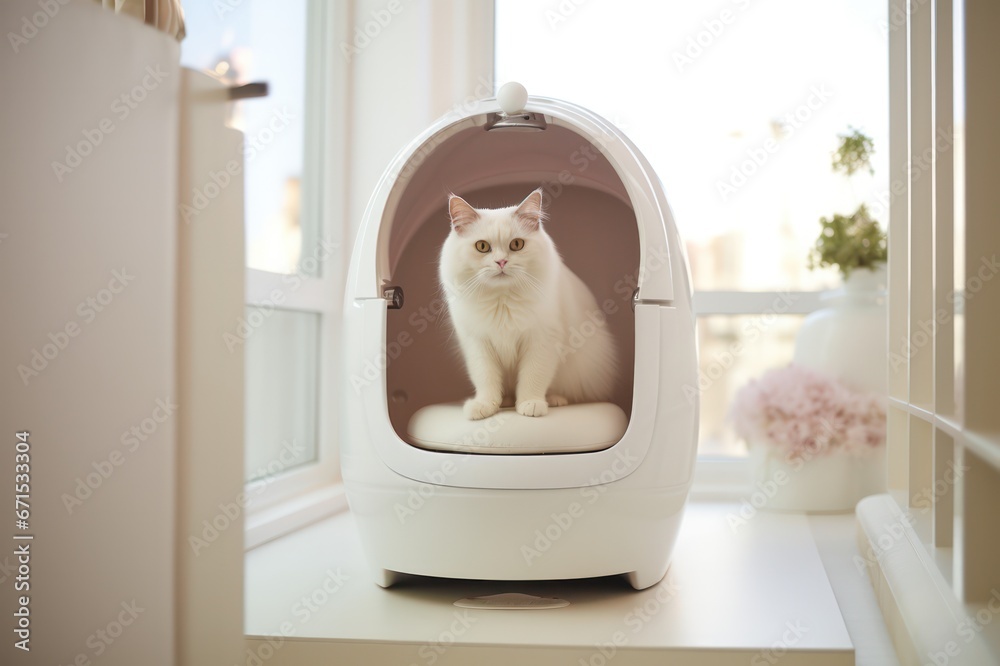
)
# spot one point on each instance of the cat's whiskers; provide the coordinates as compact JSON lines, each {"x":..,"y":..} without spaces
{"x":471,"y":285}
{"x":525,"y":279}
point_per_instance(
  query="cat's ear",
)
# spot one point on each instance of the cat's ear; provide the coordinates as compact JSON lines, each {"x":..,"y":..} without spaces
{"x":462,"y":214}
{"x":530,"y":212}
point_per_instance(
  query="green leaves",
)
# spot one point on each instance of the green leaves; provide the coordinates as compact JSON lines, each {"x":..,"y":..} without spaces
{"x":852,"y":241}
{"x":849,"y":243}
{"x":854,"y":153}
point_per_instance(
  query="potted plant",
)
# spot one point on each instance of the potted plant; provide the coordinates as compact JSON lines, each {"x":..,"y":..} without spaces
{"x":847,"y":338}
{"x":856,"y":241}
{"x":850,"y":242}
{"x":816,"y":429}
{"x":815,"y":443}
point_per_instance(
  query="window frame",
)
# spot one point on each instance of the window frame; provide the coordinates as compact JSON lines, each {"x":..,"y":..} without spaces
{"x":727,"y":478}
{"x":299,"y":496}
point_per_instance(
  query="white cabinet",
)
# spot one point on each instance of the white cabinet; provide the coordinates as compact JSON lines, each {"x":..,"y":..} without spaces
{"x":108,"y":349}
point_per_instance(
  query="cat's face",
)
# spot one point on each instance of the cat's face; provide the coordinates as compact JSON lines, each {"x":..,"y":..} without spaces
{"x":496,"y":249}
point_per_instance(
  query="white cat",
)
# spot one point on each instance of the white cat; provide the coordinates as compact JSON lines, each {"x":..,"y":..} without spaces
{"x":530,"y":331}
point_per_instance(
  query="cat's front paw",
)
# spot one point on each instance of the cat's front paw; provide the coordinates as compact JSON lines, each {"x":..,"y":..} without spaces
{"x":556,"y":400}
{"x":533,"y":408}
{"x":479,"y":409}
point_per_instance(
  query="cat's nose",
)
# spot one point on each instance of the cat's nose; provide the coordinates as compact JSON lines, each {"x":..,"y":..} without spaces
{"x":501,"y":263}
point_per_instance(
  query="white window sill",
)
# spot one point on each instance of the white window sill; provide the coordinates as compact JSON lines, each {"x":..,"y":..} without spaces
{"x":930,"y":625}
{"x":736,"y":590}
{"x":721,"y":479}
{"x":293,"y":514}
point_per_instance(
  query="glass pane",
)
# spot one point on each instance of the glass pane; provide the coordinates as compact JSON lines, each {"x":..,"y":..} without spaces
{"x":262,"y":40}
{"x":734,"y":350}
{"x":282,"y":355}
{"x":737,"y":106}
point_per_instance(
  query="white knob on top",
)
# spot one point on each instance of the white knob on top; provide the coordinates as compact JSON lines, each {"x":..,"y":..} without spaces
{"x":512,"y":97}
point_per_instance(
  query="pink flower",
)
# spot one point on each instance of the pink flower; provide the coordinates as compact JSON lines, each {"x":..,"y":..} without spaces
{"x":802,"y":412}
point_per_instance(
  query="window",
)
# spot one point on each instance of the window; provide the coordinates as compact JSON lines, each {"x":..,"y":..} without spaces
{"x":943,"y":448}
{"x":293,"y":284}
{"x":737,"y":105}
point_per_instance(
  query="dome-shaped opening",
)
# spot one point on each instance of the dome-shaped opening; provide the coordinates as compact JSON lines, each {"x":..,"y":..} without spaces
{"x":591,"y":221}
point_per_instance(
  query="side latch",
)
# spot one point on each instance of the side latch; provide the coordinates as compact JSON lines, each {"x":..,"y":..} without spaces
{"x":393,"y":298}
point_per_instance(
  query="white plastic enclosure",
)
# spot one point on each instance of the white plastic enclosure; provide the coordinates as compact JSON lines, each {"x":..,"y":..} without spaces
{"x":516,"y":516}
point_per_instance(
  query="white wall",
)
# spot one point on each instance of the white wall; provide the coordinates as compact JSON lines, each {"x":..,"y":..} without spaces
{"x":115,"y":211}
{"x":428,"y":58}
{"x":136,"y":415}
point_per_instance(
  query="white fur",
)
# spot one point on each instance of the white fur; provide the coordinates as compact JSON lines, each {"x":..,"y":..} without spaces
{"x":530,"y":332}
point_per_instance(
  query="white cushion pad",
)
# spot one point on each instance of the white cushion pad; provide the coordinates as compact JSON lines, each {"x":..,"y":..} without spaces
{"x":570,"y":429}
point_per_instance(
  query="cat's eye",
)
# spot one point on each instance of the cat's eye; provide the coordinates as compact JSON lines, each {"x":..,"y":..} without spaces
{"x":482,"y":246}
{"x":517,"y":244}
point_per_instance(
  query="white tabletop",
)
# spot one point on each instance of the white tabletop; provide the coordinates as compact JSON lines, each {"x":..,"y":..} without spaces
{"x":735,"y":592}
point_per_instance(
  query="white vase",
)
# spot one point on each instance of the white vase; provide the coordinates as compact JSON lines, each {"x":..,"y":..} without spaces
{"x":831,"y":482}
{"x":847,"y":338}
